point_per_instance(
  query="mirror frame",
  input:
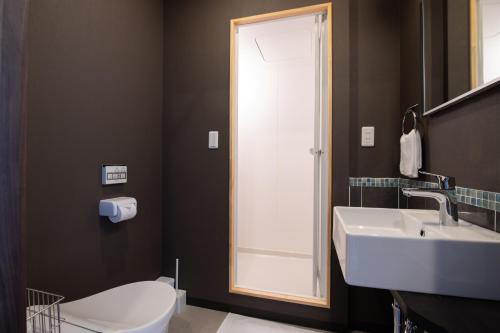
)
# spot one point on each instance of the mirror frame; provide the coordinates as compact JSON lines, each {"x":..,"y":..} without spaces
{"x":473,"y":42}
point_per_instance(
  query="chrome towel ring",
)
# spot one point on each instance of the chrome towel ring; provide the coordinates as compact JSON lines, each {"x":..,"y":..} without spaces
{"x":408,"y":111}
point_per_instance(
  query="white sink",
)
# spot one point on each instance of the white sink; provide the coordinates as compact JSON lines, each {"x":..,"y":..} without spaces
{"x":406,"y":249}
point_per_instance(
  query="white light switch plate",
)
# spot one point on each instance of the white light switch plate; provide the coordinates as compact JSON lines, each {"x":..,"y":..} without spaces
{"x":213,"y":139}
{"x":367,"y":136}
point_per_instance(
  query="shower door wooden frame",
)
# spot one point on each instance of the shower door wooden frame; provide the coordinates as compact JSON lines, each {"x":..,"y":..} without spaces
{"x":234,"y":23}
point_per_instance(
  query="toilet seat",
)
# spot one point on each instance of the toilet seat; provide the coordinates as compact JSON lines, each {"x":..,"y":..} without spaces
{"x":140,"y":307}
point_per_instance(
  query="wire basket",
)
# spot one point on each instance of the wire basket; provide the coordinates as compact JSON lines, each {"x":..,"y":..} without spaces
{"x":42,"y":313}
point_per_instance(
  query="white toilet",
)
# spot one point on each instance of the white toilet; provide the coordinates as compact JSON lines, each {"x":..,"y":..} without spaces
{"x":141,"y":307}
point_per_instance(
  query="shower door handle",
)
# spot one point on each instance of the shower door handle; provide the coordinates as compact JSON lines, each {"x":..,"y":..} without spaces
{"x":315,"y":151}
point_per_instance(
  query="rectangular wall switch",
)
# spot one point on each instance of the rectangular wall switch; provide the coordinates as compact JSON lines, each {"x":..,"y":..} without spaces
{"x":367,"y":136}
{"x":213,"y":140}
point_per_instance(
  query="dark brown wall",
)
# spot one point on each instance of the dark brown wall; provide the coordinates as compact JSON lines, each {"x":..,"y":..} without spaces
{"x":94,"y":96}
{"x":374,"y":86}
{"x":464,"y":142}
{"x":374,"y":101}
{"x":13,"y":21}
{"x":365,"y":92}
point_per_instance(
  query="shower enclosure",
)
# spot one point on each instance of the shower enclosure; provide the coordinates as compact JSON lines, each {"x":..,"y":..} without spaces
{"x":280,"y":163}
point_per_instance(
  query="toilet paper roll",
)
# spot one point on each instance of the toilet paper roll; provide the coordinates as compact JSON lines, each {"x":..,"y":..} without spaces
{"x":125,"y":212}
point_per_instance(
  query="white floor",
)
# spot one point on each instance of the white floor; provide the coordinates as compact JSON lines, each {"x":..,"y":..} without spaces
{"x":201,"y":320}
{"x":196,"y":320}
{"x":275,"y":273}
{"x":240,"y":324}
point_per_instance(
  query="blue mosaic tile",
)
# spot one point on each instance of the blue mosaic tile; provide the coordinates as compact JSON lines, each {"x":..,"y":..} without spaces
{"x":484,"y":199}
{"x":480,"y":203}
{"x":491,"y":205}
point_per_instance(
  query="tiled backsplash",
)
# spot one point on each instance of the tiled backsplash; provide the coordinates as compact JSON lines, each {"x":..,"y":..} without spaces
{"x":389,"y":182}
{"x":478,"y":198}
{"x":477,"y":206}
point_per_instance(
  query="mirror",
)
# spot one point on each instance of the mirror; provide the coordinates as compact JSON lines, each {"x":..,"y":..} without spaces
{"x":485,"y":41}
{"x":460,"y":50}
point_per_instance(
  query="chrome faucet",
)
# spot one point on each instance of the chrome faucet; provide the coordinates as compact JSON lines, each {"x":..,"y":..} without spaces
{"x":444,"y":195}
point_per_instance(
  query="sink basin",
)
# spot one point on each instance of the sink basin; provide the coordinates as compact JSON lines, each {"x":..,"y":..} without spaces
{"x":407,"y":249}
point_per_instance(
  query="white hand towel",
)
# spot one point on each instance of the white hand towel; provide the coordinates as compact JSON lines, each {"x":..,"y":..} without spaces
{"x":418,"y":142}
{"x":411,"y":154}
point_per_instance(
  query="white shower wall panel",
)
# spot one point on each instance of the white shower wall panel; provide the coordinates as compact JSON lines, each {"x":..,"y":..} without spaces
{"x":275,"y":121}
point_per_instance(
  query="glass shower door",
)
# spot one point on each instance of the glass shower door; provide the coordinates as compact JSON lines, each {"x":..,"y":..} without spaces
{"x":280,"y":157}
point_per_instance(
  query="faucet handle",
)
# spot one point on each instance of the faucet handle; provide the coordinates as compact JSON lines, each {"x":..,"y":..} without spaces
{"x":444,"y":182}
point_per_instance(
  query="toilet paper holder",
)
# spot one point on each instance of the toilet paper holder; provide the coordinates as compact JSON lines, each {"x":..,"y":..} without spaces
{"x":118,"y":209}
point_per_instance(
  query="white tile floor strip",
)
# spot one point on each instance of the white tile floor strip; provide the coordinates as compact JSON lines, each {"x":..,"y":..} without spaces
{"x":240,"y":324}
